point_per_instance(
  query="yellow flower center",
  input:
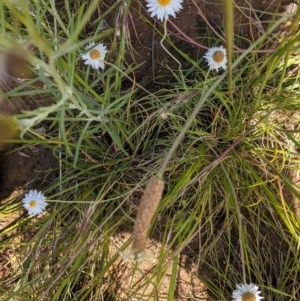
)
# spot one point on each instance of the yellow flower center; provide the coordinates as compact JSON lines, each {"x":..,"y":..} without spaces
{"x":218,"y":56}
{"x":95,"y":54}
{"x":32,"y":204}
{"x":248,"y":297}
{"x":164,"y":2}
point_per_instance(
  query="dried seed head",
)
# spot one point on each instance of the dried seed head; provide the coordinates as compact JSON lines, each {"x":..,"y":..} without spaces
{"x":151,"y":197}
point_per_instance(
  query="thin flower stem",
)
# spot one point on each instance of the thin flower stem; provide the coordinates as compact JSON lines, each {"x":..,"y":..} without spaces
{"x":165,"y":49}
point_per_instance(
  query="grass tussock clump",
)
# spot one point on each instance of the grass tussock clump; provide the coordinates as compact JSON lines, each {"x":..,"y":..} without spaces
{"x":115,"y":92}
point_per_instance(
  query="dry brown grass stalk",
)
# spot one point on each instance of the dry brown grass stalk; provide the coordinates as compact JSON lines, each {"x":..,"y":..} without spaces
{"x":149,"y":202}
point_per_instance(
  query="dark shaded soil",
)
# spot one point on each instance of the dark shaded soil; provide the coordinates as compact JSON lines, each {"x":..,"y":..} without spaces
{"x":32,"y":166}
{"x":199,"y":21}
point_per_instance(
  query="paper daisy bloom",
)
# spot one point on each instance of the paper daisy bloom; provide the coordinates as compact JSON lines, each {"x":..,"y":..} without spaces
{"x":246,"y":292}
{"x":34,"y":202}
{"x":162,"y":9}
{"x":95,"y":55}
{"x":216,"y":58}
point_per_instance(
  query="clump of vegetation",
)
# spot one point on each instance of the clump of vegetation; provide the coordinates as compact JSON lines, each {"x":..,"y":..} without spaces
{"x":222,"y":131}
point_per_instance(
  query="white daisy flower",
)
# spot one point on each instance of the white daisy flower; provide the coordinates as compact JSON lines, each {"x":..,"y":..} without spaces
{"x":162,"y":9}
{"x":246,"y":292}
{"x":216,"y":58}
{"x":95,"y":55}
{"x":34,"y":202}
